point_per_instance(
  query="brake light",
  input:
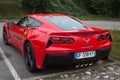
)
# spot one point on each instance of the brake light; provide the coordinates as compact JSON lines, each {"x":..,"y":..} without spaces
{"x":61,"y":40}
{"x":104,"y":37}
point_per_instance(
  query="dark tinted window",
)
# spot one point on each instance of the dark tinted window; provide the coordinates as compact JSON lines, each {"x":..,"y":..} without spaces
{"x":23,"y":22}
{"x":66,"y":23}
{"x":34,"y":22}
{"x":28,"y":21}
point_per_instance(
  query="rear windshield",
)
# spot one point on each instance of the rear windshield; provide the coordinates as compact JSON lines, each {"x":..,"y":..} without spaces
{"x":65,"y":23}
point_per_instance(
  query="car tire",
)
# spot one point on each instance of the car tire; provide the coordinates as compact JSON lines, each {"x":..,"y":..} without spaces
{"x":105,"y":58}
{"x":30,"y":58}
{"x":5,"y":39}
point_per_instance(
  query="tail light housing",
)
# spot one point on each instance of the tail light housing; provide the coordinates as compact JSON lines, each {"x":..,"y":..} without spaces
{"x":104,"y":37}
{"x":61,"y":40}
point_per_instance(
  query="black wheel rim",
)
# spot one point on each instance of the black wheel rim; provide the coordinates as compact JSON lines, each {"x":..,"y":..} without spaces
{"x":29,"y":57}
{"x":4,"y":37}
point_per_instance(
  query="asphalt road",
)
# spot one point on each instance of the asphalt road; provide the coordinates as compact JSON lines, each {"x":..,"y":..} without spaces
{"x":17,"y":62}
{"x":114,"y":25}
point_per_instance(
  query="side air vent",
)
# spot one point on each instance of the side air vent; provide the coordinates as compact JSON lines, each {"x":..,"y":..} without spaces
{"x":49,"y":43}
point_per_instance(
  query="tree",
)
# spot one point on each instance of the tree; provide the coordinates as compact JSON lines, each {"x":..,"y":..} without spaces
{"x":32,"y":6}
{"x":53,"y":6}
{"x":105,"y":7}
{"x":116,"y":8}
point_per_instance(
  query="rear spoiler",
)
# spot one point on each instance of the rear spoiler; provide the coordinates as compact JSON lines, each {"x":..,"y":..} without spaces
{"x":75,"y":33}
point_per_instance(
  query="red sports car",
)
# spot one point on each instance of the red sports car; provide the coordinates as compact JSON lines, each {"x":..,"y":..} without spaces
{"x":57,"y":39}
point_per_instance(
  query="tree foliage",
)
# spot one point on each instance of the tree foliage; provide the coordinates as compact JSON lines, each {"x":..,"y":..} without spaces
{"x":101,"y":7}
{"x":74,"y":7}
{"x":53,"y":6}
{"x":11,"y":6}
{"x":106,"y":7}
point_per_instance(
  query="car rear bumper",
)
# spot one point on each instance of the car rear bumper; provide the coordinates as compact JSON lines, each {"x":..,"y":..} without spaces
{"x":68,"y":59}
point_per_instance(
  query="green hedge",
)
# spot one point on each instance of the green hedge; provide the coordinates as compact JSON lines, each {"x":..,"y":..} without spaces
{"x":53,"y":6}
{"x":10,"y":7}
{"x":109,"y":8}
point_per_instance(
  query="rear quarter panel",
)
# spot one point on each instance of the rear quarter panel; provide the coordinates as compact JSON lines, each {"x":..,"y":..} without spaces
{"x":38,"y":40}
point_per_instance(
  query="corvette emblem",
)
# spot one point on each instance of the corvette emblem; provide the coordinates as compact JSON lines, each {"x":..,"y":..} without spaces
{"x":86,"y":40}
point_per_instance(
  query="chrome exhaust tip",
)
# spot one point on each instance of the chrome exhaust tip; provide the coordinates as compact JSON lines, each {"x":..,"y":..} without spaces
{"x":91,"y":63}
{"x":77,"y":66}
{"x":86,"y":64}
{"x":82,"y":65}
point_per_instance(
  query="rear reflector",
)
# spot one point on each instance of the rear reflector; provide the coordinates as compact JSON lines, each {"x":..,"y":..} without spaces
{"x":104,"y":37}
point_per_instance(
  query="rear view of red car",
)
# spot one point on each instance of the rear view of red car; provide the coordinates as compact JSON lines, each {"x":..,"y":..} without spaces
{"x":57,"y":39}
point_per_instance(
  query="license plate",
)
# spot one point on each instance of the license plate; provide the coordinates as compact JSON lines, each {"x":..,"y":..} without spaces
{"x":82,"y":55}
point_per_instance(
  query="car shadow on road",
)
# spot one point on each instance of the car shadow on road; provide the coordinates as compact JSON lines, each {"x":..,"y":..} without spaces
{"x":57,"y":69}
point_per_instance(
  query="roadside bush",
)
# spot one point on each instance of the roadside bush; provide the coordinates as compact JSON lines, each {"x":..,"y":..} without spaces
{"x":10,"y":7}
{"x":53,"y":6}
{"x":109,"y":8}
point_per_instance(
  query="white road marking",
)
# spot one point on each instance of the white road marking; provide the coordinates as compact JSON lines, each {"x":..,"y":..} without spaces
{"x":11,"y":68}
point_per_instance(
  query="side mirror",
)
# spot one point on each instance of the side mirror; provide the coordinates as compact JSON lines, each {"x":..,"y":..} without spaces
{"x":11,"y":24}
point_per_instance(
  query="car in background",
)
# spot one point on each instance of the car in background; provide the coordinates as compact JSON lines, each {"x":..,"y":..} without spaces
{"x":57,"y":39}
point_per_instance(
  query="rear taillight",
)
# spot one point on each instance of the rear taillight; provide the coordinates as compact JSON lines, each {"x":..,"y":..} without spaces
{"x":104,"y":37}
{"x":61,"y":40}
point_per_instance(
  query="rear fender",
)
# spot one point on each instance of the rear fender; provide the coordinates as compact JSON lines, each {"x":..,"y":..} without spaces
{"x":39,"y":46}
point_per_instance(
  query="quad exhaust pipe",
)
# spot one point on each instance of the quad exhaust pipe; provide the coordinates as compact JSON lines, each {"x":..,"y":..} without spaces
{"x":84,"y":64}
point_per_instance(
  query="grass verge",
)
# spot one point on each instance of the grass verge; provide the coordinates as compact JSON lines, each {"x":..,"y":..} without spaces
{"x":115,"y":53}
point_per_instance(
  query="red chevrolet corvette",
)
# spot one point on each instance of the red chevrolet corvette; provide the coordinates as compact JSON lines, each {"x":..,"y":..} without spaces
{"x":57,"y":39}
